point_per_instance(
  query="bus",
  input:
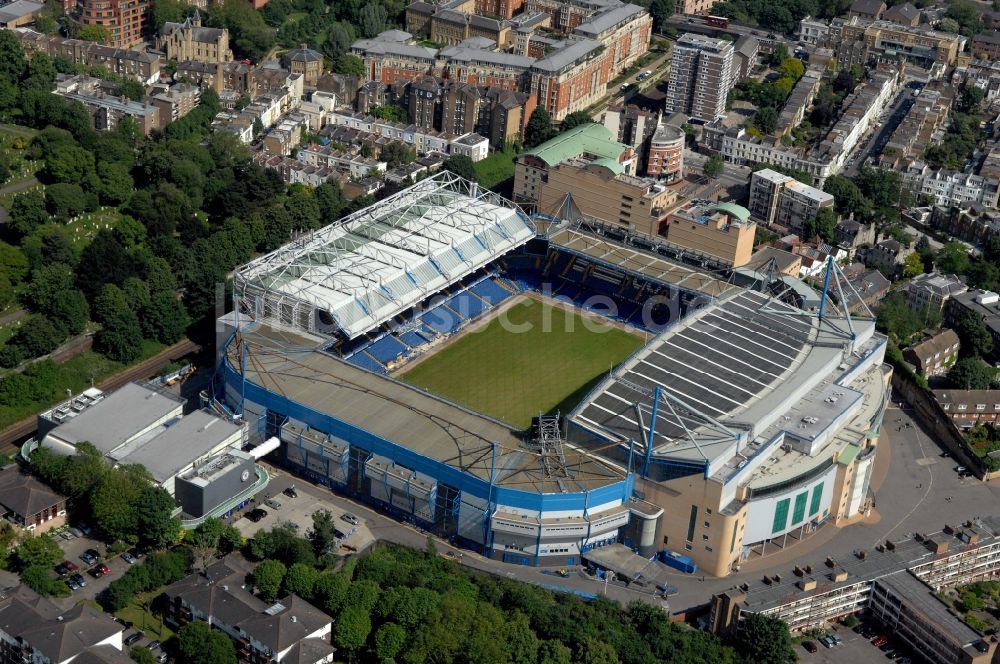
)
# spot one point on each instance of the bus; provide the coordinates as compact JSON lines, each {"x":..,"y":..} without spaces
{"x":717,"y":21}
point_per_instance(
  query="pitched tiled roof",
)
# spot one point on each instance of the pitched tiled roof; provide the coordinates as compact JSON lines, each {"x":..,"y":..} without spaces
{"x":24,"y":495}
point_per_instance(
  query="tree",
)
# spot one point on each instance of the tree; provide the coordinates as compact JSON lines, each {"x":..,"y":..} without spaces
{"x":575,"y":119}
{"x":714,"y":166}
{"x":848,"y":197}
{"x":13,"y":64}
{"x":267,"y":578}
{"x":592,"y":651}
{"x":142,"y":655}
{"x":116,"y":183}
{"x":390,"y":639}
{"x":120,"y":337}
{"x":948,"y":25}
{"x":156,"y":527}
{"x":396,"y":153}
{"x":913,"y":265}
{"x":539,"y":128}
{"x":983,"y":274}
{"x":970,"y":98}
{"x":390,"y":112}
{"x":661,"y":11}
{"x":766,"y":120}
{"x":461,"y":165}
{"x":953,"y":258}
{"x":976,"y":338}
{"x":352,"y":628}
{"x":64,"y":201}
{"x":792,"y":68}
{"x":114,"y":502}
{"x":41,"y":551}
{"x":69,"y":308}
{"x":349,"y":65}
{"x":373,"y":19}
{"x":27,"y":211}
{"x":765,"y":640}
{"x":94,"y":33}
{"x":164,"y":318}
{"x":971,"y":374}
{"x":779,"y":55}
{"x":301,"y":580}
{"x":553,"y":652}
{"x":40,"y":580}
{"x":200,"y":644}
{"x":38,"y":336}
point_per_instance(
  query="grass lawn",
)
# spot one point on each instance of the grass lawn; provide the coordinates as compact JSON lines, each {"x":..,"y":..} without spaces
{"x":147,"y":621}
{"x":496,"y":172}
{"x":86,"y":226}
{"x":515,"y":376}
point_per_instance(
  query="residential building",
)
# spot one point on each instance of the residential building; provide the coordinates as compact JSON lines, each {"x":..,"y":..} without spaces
{"x":973,"y":223}
{"x":851,"y":234}
{"x":124,"y":21}
{"x":666,"y":153}
{"x":720,"y":231}
{"x":984,"y":305}
{"x":799,"y":101}
{"x":862,"y":42}
{"x":967,"y":408}
{"x":29,"y":504}
{"x":18,"y":13}
{"x":389,"y":57}
{"x":285,"y":136}
{"x":190,"y":41}
{"x":868,"y":10}
{"x":105,"y":109}
{"x":814,"y":31}
{"x":634,"y":127}
{"x":133,"y":64}
{"x":305,"y":61}
{"x":423,"y":102}
{"x":867,"y":288}
{"x":746,"y":51}
{"x":291,"y":630}
{"x":934,"y":356}
{"x":781,"y":200}
{"x":450,"y":25}
{"x":950,"y":188}
{"x":898,"y":584}
{"x":35,"y":630}
{"x":693,"y":7}
{"x":930,"y":291}
{"x":920,"y":126}
{"x":701,"y":75}
{"x":293,"y":171}
{"x":986,"y":45}
{"x":488,"y":68}
{"x":566,"y":15}
{"x":886,"y":256}
{"x":473,"y":146}
{"x":501,"y":8}
{"x":575,"y":76}
{"x":624,"y":30}
{"x":175,"y":101}
{"x":904,"y":14}
{"x":781,"y":261}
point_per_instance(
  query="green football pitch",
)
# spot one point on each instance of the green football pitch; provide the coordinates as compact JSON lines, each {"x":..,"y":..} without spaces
{"x":533,"y":359}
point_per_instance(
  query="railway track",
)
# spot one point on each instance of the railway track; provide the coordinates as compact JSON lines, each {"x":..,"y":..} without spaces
{"x":13,"y":434}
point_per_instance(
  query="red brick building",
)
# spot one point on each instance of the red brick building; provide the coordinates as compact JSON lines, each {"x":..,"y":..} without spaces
{"x":123,"y":19}
{"x":501,"y":8}
{"x":967,"y":408}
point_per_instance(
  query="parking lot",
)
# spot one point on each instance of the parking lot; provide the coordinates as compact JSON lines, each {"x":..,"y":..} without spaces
{"x":72,"y":548}
{"x":298,"y":511}
{"x":854,"y":648}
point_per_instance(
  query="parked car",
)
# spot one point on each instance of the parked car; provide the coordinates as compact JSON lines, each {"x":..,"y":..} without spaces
{"x":273,"y":504}
{"x":291,"y":492}
{"x":80,"y":581}
{"x":810,"y":646}
{"x":162,"y":657}
{"x":833,"y":636}
{"x":826,"y":641}
{"x":960,"y":469}
{"x":153,"y":645}
{"x":90,"y":556}
{"x":73,"y":585}
{"x":100,"y":570}
{"x":880,"y":640}
{"x":129,"y":558}
{"x":256,"y":515}
{"x":85,"y":529}
{"x":131,"y":639}
{"x":350,"y":518}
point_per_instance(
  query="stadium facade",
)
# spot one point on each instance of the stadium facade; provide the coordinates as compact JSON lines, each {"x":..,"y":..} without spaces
{"x":320,"y":326}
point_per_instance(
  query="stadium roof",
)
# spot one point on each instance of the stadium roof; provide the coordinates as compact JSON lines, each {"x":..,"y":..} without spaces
{"x":593,"y":139}
{"x":430,"y":426}
{"x":365,"y":269}
{"x":727,"y":372}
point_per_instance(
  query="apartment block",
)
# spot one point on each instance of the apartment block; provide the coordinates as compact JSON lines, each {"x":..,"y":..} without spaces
{"x":693,"y":7}
{"x":973,"y":223}
{"x":573,"y":77}
{"x":305,"y":61}
{"x":897,"y":583}
{"x":986,"y":45}
{"x":934,"y":356}
{"x":568,"y":14}
{"x":968,"y":408}
{"x":950,"y":188}
{"x":864,"y":42}
{"x":701,"y":75}
{"x":983,"y":304}
{"x":632,"y":126}
{"x":445,"y":25}
{"x":799,"y":100}
{"x":746,"y":51}
{"x":175,"y":101}
{"x":501,"y":8}
{"x":781,"y":200}
{"x":930,"y":291}
{"x":390,"y":57}
{"x":624,"y":30}
{"x":925,"y":118}
{"x":134,"y":64}
{"x":122,"y":19}
{"x":105,"y":109}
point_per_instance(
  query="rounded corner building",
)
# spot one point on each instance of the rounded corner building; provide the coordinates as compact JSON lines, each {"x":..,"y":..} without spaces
{"x":723,"y":418}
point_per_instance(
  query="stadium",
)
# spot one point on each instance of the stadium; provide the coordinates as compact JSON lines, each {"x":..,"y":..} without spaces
{"x":492,"y":378}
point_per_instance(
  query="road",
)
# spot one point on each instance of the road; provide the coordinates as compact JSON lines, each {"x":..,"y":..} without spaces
{"x":890,"y":120}
{"x":698,"y":24}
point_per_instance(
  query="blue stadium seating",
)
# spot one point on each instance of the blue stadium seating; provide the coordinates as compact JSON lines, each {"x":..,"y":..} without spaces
{"x":366,"y":361}
{"x":386,"y":349}
{"x":442,"y":320}
{"x":412,"y":339}
{"x":466,"y":305}
{"x":491,"y":291}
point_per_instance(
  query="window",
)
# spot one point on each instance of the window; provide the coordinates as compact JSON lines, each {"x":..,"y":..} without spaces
{"x":817,"y":495}
{"x":946,"y":406}
{"x":963,"y":406}
{"x":800,"y":508}
{"x":980,"y":406}
{"x":665,"y":538}
{"x":688,"y":546}
{"x":708,"y":525}
{"x":704,"y":538}
{"x":780,"y":515}
{"x":691,"y":522}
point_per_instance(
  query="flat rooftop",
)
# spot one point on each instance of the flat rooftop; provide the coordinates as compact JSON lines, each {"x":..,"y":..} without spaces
{"x":118,"y":417}
{"x":428,"y":425}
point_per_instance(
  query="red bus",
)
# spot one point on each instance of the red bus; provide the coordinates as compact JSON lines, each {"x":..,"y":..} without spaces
{"x":717,"y":21}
